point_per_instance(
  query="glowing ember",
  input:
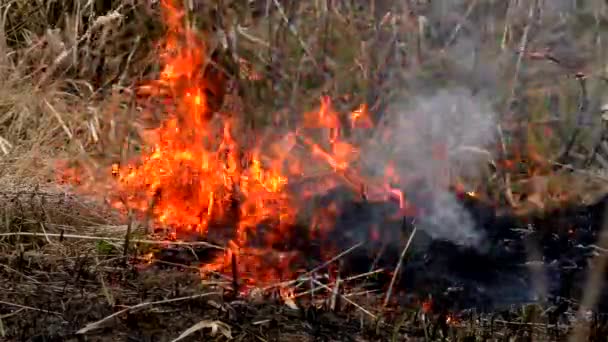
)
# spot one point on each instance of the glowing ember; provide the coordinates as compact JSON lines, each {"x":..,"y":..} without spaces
{"x":427,"y":306}
{"x":451,"y":320}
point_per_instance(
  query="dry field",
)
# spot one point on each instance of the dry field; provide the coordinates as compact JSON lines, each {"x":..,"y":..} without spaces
{"x":515,"y":93}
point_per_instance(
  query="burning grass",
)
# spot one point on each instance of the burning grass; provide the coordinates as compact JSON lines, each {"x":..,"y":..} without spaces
{"x":302,"y":171}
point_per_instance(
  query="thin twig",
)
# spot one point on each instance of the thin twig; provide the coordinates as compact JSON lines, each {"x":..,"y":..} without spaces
{"x":360,"y":293}
{"x":313,"y":289}
{"x":532,"y":324}
{"x":106,"y":292}
{"x":362,"y":275}
{"x":523,"y":46}
{"x":398,"y":268}
{"x":89,"y":237}
{"x":347,"y":300}
{"x":98,"y":324}
{"x":125,"y":251}
{"x":44,"y":232}
{"x":295,"y":32}
{"x":8,"y":268}
{"x":506,"y":175}
{"x":458,"y":27}
{"x":334,"y":258}
{"x":582,"y":109}
{"x":11,"y":314}
{"x":305,"y":276}
{"x":29,"y":308}
{"x":243,"y":32}
{"x":334,"y":294}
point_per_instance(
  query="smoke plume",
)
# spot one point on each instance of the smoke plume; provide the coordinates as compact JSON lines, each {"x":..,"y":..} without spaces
{"x":424,"y":138}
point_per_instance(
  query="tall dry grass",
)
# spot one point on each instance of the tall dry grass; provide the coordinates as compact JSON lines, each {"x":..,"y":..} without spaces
{"x":69,"y":70}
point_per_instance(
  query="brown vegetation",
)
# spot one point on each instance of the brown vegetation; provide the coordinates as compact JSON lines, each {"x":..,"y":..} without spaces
{"x":69,"y":78}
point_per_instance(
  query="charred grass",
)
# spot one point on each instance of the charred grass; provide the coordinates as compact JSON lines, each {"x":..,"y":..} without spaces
{"x":68,"y":72}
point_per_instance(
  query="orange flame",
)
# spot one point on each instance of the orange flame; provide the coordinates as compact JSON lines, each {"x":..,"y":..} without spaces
{"x":194,"y":170}
{"x":197,"y":173}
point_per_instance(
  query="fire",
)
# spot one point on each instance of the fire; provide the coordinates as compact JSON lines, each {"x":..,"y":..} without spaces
{"x":360,"y":117}
{"x":195,"y":170}
{"x":200,"y":173}
{"x":427,"y":306}
{"x":452,"y":320}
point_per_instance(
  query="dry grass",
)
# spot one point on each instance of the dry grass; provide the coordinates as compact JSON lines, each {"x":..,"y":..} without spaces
{"x":68,"y":70}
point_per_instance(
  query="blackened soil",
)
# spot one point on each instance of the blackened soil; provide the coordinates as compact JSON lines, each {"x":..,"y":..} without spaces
{"x":489,"y":276}
{"x":49,"y":294}
{"x":50,"y":299}
{"x":496,"y":273}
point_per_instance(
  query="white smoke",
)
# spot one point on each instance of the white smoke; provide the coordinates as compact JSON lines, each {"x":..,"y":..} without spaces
{"x":452,"y":118}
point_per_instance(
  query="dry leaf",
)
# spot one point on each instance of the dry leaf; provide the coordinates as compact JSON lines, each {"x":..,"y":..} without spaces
{"x":215,"y":326}
{"x":290,"y":303}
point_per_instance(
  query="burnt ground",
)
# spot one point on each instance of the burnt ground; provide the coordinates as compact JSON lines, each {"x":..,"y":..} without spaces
{"x":49,"y":290}
{"x":45,"y":300}
{"x":52,"y":299}
{"x":52,"y":302}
